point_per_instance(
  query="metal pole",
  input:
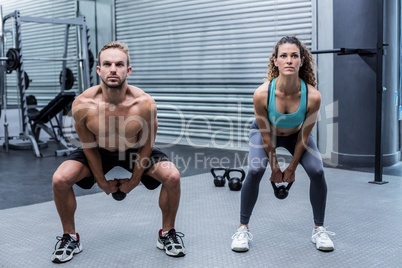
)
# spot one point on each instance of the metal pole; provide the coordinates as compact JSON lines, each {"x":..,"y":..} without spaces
{"x":74,"y":21}
{"x":379,"y":91}
{"x":46,"y":59}
{"x":2,"y":71}
{"x":335,"y":50}
{"x":85,"y":56}
{"x":20,"y":73}
{"x":55,"y":59}
{"x":3,"y":96}
{"x":81,"y":83}
{"x":22,"y":87}
{"x":64,"y":65}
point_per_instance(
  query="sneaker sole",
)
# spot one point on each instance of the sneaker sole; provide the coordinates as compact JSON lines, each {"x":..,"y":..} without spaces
{"x":240,"y":249}
{"x":322,"y":248}
{"x":162,"y":247}
{"x":69,"y":258}
{"x":325,"y":248}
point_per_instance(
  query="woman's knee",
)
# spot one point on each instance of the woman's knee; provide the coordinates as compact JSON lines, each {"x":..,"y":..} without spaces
{"x":317,"y":175}
{"x":255,"y":173}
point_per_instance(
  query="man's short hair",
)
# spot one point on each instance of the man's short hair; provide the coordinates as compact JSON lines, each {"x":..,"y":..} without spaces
{"x":116,"y":44}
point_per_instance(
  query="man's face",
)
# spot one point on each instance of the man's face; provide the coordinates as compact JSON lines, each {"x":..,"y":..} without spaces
{"x":113,"y":69}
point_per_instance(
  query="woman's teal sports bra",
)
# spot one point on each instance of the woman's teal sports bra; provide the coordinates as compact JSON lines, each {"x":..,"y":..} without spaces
{"x":286,"y":120}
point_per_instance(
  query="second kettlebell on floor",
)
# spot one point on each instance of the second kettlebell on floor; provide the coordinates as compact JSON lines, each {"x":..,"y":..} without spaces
{"x":235,"y":183}
{"x":219,"y":180}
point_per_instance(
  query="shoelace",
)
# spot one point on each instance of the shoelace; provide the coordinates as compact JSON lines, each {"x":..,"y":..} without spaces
{"x":63,"y":242}
{"x":174,"y":236}
{"x":246,"y":233}
{"x":324,"y":234}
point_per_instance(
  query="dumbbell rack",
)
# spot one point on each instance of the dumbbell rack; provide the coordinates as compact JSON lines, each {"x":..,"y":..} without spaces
{"x":84,"y":67}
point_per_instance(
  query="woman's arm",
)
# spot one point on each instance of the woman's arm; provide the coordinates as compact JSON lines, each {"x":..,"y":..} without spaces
{"x":314,"y":102}
{"x":261,"y":114}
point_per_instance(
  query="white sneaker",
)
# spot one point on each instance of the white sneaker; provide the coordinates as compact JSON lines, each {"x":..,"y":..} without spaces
{"x":321,"y":239}
{"x":240,"y":239}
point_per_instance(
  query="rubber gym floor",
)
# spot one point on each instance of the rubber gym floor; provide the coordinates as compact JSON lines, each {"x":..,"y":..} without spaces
{"x":365,"y":217}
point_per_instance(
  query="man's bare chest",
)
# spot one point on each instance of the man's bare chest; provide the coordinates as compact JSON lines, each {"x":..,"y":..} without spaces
{"x":115,"y":124}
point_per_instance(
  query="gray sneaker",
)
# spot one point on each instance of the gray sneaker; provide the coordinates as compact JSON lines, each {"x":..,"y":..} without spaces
{"x":171,"y":244}
{"x":65,"y":248}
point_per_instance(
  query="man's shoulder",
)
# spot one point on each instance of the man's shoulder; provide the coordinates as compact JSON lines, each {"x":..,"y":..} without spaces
{"x":89,"y":94}
{"x":135,"y":90}
{"x":140,"y":95}
{"x":85,"y":102}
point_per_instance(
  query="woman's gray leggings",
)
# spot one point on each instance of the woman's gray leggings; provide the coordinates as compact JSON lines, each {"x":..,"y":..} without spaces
{"x":258,"y":162}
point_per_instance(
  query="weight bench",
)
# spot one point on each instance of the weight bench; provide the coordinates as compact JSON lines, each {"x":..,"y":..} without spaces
{"x":39,"y":119}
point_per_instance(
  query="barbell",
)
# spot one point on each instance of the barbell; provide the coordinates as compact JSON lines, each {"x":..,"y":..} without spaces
{"x":13,"y":59}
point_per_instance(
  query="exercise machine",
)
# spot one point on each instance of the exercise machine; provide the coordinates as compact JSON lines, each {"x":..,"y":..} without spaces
{"x":33,"y":122}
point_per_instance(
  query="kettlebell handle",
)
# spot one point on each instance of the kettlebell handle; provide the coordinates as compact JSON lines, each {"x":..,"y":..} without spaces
{"x":287,"y":187}
{"x":230,"y":170}
{"x":213,"y":171}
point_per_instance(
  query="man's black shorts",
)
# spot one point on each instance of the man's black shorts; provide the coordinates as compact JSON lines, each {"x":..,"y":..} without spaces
{"x":122,"y":159}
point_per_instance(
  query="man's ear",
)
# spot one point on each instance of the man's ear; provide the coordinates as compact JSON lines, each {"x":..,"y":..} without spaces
{"x":129,"y":70}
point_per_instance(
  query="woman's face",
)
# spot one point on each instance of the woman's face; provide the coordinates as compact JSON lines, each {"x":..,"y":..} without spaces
{"x":288,"y":59}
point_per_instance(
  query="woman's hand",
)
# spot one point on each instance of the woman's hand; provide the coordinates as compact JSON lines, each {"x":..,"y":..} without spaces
{"x":276,"y":175}
{"x":289,"y":175}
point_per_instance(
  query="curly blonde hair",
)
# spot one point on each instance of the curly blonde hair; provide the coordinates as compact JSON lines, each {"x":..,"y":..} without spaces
{"x":306,"y":71}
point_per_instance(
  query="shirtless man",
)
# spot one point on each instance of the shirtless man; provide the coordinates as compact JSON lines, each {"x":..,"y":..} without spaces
{"x":116,"y":124}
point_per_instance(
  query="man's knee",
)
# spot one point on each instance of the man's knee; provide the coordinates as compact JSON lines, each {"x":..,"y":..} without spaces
{"x":172,"y":180}
{"x":61,"y":182}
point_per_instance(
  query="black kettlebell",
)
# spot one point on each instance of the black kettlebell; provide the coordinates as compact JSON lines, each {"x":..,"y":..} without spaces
{"x":235,"y":183}
{"x":219,"y":180}
{"x":119,"y":195}
{"x":281,"y":192}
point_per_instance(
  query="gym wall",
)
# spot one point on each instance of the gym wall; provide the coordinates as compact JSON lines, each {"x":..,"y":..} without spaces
{"x":41,"y":40}
{"x":202,"y":61}
{"x":355,"y":84}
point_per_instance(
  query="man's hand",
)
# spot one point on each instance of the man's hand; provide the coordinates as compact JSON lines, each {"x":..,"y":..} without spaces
{"x":289,"y":175}
{"x":108,"y":186}
{"x":277,"y":175}
{"x":126,"y":185}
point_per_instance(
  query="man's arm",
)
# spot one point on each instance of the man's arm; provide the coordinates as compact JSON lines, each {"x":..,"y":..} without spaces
{"x":314,"y":101}
{"x":261,"y":114}
{"x":146,"y":139}
{"x":89,"y":145}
